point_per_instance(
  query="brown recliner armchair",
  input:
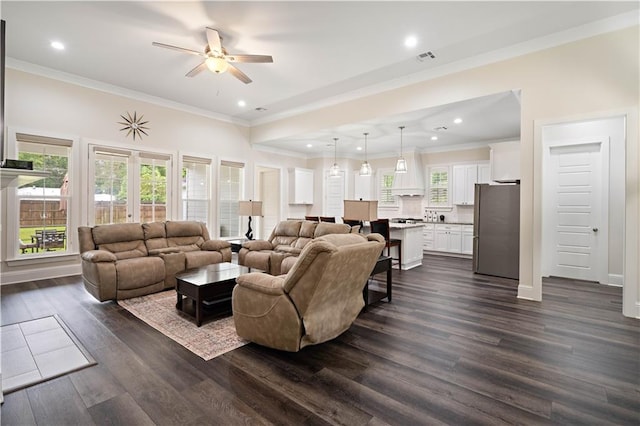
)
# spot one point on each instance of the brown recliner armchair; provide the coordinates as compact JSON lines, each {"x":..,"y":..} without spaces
{"x":316,"y":301}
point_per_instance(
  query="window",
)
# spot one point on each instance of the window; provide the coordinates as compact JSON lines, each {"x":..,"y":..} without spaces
{"x":438,"y":186}
{"x":231,"y":190}
{"x":195,"y":188}
{"x":128,"y":186}
{"x":385,"y":184}
{"x":43,"y":205}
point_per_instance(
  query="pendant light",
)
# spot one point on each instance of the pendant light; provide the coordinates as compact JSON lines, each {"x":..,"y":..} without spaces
{"x":334,"y":171}
{"x":365,"y":169}
{"x":401,"y":164}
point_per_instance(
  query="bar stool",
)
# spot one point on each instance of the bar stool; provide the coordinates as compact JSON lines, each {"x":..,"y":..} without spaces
{"x":381,"y":226}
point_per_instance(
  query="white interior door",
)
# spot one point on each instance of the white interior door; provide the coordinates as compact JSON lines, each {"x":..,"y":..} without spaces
{"x":577,"y":221}
{"x":270,"y":196}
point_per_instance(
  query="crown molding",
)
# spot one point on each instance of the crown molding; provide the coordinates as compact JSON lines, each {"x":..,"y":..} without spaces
{"x":116,"y":90}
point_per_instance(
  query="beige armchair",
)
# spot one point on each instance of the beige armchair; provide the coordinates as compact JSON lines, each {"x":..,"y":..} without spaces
{"x":316,"y":301}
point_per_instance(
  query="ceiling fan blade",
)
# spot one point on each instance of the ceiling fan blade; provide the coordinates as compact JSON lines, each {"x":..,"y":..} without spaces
{"x":197,"y":70}
{"x":179,"y":49}
{"x":248,"y":58}
{"x":213,"y":38}
{"x":239,"y":74}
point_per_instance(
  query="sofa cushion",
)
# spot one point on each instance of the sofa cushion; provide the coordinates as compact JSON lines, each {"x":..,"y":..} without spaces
{"x":186,"y":243}
{"x":126,"y":249}
{"x":283,"y":240}
{"x":155,"y":235}
{"x":196,"y":259}
{"x":183,"y":229}
{"x":105,"y":234}
{"x":325,"y":228}
{"x":287,"y":228}
{"x":307,"y":229}
{"x":139,"y":272}
{"x":301,"y":242}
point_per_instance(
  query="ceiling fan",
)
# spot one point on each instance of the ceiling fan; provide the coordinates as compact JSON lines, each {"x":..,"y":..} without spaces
{"x":216,"y":57}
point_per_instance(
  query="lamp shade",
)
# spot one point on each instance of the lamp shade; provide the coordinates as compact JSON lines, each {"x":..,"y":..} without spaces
{"x":364,"y":210}
{"x":250,"y":208}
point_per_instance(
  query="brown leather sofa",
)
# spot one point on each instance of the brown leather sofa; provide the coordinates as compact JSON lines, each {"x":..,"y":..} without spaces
{"x":125,"y":260}
{"x":278,"y":254}
{"x":317,"y":300}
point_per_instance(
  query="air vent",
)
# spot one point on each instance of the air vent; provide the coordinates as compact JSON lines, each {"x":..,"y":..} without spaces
{"x":440,"y":129}
{"x":424,"y":56}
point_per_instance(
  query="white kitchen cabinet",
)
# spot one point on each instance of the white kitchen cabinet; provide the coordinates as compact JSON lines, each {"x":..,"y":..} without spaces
{"x":448,"y":238}
{"x":467,"y":239}
{"x":300,"y":186}
{"x":484,"y":173}
{"x":465,"y":178}
{"x":505,"y":161}
{"x":428,"y":236}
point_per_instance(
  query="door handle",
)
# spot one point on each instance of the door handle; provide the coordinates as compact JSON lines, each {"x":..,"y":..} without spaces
{"x":595,"y":229}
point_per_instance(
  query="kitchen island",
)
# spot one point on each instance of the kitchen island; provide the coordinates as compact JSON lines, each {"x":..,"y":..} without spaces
{"x":411,"y":236}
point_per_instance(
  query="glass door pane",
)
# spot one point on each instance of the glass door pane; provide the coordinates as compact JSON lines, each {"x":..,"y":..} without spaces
{"x":111,"y":195}
{"x":153,"y":190}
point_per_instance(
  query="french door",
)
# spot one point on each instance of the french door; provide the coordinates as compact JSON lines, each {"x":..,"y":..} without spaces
{"x":128,"y":186}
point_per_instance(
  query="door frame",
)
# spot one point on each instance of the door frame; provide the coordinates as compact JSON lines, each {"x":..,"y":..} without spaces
{"x":530,"y":286}
{"x":602,"y":256}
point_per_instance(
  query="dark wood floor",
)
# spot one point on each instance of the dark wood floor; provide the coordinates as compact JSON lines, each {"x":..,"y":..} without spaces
{"x":452,"y":348}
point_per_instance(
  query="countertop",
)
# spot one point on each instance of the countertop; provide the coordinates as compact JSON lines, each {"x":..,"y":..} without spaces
{"x":405,"y":225}
{"x":449,"y":223}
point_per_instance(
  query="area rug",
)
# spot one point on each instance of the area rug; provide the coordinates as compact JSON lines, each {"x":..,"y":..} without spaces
{"x":213,"y":338}
{"x":38,"y":350}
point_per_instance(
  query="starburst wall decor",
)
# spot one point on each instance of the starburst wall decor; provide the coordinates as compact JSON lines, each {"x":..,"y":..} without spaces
{"x":134,"y":125}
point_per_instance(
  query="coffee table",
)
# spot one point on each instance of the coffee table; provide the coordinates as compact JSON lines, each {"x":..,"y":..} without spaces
{"x":210,"y":285}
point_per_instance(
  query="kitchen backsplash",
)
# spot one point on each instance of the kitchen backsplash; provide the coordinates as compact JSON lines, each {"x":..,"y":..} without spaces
{"x":459,"y":214}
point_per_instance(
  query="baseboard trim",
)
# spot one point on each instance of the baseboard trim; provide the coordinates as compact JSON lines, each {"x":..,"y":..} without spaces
{"x":15,"y":277}
{"x":526,"y":292}
{"x":615,"y":280}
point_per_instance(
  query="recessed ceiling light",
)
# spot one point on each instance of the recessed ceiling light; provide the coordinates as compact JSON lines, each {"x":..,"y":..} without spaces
{"x":57,"y":45}
{"x":458,"y":120}
{"x":434,"y":138}
{"x":242,"y":103}
{"x":411,"y":41}
{"x":309,"y":145}
{"x":359,"y":148}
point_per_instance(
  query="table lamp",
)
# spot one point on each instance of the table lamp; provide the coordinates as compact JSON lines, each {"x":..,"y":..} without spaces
{"x":250,"y":208}
{"x":362,"y":210}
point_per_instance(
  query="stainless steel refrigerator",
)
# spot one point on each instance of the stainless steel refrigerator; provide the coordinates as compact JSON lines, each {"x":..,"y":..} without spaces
{"x":496,"y":230}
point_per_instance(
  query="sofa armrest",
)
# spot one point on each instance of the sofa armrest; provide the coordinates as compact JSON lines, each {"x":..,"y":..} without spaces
{"x":262,"y":283}
{"x":257,"y":245}
{"x":95,"y":256}
{"x":215,"y":245}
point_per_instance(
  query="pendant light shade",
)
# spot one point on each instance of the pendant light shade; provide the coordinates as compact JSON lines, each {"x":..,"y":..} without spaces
{"x":334,"y":171}
{"x":401,"y":164}
{"x":365,"y":169}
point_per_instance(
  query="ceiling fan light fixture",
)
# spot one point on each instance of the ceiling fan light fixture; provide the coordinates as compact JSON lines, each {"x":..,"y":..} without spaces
{"x":216,"y":65}
{"x":401,"y":164}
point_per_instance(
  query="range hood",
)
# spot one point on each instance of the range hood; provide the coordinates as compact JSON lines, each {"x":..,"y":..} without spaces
{"x":410,"y":184}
